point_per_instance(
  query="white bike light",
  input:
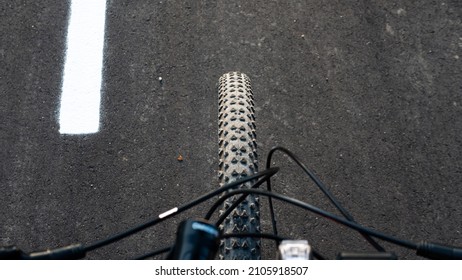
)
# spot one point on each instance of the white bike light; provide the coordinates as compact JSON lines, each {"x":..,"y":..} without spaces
{"x":295,"y":250}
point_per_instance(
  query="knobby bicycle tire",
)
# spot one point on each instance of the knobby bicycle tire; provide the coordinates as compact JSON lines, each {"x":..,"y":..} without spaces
{"x":237,"y":159}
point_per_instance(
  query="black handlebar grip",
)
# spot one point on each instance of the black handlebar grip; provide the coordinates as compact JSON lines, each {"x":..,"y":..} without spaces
{"x":11,"y":253}
{"x":71,"y":252}
{"x":438,"y":252}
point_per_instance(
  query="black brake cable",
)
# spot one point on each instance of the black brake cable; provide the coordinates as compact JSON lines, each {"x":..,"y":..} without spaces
{"x":235,"y":204}
{"x":176,"y":210}
{"x":326,"y":214}
{"x":321,"y":186}
{"x":209,"y":215}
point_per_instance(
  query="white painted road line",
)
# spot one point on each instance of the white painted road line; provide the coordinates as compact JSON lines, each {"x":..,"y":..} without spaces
{"x":81,"y":87}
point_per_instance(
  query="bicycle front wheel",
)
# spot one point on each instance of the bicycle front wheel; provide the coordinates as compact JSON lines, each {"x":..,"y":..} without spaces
{"x":238,"y":158}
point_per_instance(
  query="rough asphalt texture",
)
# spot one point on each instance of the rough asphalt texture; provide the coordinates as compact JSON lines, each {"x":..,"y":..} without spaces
{"x":367,"y":93}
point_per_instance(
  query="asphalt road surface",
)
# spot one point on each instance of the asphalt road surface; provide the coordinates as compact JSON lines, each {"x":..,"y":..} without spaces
{"x":367,"y":93}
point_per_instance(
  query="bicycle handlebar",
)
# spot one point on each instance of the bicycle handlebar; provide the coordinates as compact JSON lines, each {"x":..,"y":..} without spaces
{"x":194,"y":236}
